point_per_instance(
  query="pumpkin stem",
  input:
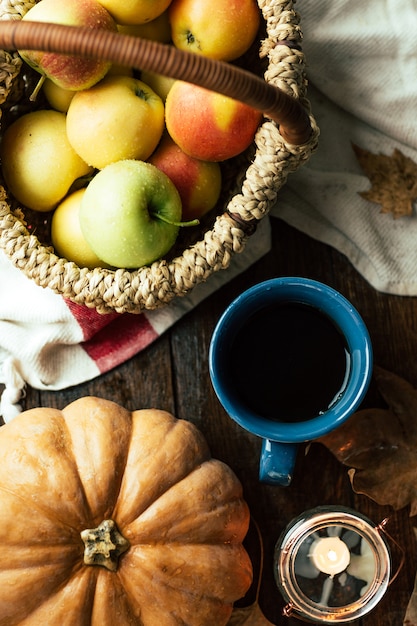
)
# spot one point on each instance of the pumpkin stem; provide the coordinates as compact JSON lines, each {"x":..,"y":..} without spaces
{"x":104,"y":545}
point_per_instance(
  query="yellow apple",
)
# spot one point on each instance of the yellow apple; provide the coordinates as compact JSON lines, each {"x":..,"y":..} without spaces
{"x":135,"y":11}
{"x":119,"y":118}
{"x":39,"y":165}
{"x":120,"y":70}
{"x":207,"y":125}
{"x":67,"y":238}
{"x":69,"y":72}
{"x":219,"y":29}
{"x":159,"y":83}
{"x":58,"y":97}
{"x":158,"y":29}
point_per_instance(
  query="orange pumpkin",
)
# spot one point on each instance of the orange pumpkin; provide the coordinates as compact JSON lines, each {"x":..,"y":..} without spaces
{"x":110,"y":517}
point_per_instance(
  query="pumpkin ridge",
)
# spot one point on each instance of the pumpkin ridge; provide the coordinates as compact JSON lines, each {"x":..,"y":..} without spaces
{"x":45,"y":465}
{"x":110,"y":592}
{"x":233,"y":531}
{"x":131,"y":598}
{"x":83,"y":605}
{"x":192,"y":452}
{"x":199,"y":514}
{"x":117,"y":424}
{"x":194,"y":597}
{"x":48,"y":513}
{"x":213,"y":599}
{"x":35,"y":597}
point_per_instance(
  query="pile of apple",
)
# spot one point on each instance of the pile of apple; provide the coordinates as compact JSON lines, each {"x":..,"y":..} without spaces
{"x":122,"y":161}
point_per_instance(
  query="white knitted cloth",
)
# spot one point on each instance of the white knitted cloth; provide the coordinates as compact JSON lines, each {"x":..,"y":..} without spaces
{"x":362,"y":68}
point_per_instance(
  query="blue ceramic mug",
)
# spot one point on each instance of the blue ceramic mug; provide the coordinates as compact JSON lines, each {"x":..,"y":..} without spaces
{"x":290,"y":360}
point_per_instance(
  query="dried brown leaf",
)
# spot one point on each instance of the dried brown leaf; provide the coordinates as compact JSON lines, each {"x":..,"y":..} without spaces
{"x":410,"y":618}
{"x":393,"y":180}
{"x":380,"y":445}
{"x":249,"y":616}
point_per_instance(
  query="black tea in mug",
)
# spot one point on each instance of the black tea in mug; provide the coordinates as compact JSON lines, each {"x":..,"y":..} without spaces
{"x":289,"y":362}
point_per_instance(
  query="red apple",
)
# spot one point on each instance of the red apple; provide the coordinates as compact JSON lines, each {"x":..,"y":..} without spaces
{"x":69,"y":72}
{"x":198,"y":182}
{"x":207,"y":125}
{"x":219,"y":29}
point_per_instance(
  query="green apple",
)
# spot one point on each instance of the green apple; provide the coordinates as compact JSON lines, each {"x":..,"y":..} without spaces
{"x":130,"y":214}
{"x":66,"y":235}
{"x":69,"y":72}
{"x":135,"y":11}
{"x":38,"y":163}
{"x":119,"y":118}
{"x":219,"y":29}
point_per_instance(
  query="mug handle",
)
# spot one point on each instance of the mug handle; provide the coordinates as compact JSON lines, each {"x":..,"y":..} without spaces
{"x":276,"y":465}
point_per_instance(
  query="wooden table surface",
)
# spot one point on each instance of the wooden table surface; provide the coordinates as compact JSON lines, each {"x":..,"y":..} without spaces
{"x":172,"y":374}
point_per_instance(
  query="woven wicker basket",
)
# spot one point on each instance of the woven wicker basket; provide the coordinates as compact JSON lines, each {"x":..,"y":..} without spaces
{"x":272,"y":79}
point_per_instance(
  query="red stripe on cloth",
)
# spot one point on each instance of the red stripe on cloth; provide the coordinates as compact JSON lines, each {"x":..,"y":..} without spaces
{"x":120,"y":337}
{"x":89,"y":320}
{"x":123,"y":338}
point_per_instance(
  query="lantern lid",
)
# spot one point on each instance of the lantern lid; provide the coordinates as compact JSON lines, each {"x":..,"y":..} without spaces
{"x":331,"y":564}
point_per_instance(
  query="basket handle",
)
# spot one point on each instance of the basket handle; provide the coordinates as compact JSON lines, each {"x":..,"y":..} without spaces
{"x":152,"y":56}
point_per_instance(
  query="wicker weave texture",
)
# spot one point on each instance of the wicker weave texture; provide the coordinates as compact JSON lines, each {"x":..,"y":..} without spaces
{"x":259,"y":183}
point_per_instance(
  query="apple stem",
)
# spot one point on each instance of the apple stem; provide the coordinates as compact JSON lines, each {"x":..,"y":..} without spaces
{"x":37,"y":89}
{"x":167,"y":221}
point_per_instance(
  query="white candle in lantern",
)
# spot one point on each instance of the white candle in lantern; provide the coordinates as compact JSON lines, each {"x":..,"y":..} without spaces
{"x":330,"y":555}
